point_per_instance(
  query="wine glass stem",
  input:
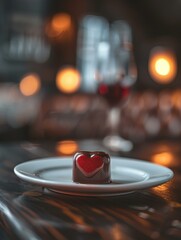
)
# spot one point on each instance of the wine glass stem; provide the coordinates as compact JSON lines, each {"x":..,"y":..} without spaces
{"x":113,"y":119}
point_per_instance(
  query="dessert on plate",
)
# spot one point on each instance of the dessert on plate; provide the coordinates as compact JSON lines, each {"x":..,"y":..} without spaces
{"x":91,"y":167}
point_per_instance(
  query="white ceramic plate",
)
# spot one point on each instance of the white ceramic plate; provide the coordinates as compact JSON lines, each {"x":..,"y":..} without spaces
{"x":127,"y":175}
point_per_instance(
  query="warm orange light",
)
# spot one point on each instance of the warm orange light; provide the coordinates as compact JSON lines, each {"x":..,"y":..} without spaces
{"x":176,"y":98}
{"x":163,"y":158}
{"x":30,"y":84}
{"x":59,"y":23}
{"x":68,"y":147}
{"x":162,"y":66}
{"x":68,"y":80}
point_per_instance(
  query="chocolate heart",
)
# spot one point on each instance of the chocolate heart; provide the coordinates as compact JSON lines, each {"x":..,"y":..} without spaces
{"x":89,"y":165}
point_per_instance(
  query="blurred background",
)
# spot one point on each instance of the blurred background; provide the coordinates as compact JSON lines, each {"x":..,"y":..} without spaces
{"x":53,"y":56}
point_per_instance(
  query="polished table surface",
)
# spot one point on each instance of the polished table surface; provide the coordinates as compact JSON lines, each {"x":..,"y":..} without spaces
{"x":29,"y":212}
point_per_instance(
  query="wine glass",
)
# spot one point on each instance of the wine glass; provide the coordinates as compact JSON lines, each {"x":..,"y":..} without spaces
{"x":116,"y":73}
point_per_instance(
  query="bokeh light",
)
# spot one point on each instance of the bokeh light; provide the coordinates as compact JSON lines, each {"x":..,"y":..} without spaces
{"x":59,"y":24}
{"x":164,"y":158}
{"x":30,"y":84}
{"x":67,"y":147}
{"x":162,"y":65}
{"x":176,"y":99}
{"x":68,"y":80}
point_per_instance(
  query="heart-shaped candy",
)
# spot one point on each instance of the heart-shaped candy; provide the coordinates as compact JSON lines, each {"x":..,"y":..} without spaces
{"x":89,"y":165}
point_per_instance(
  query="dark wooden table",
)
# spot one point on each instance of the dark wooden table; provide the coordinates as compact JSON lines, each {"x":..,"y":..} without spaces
{"x":30,"y":213}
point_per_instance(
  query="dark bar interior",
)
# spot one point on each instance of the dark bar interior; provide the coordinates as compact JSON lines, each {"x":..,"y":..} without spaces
{"x":41,"y":38}
{"x":90,"y":120}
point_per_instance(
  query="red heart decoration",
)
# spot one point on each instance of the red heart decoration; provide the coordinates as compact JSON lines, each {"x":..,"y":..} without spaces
{"x":89,"y":165}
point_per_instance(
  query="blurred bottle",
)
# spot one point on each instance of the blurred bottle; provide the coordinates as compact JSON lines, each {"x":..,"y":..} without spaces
{"x":92,"y":47}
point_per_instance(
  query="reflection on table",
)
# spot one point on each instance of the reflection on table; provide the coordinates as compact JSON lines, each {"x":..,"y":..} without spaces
{"x":30,"y":212}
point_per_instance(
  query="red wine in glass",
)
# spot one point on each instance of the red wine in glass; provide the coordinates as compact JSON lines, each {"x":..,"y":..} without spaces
{"x":113,"y":93}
